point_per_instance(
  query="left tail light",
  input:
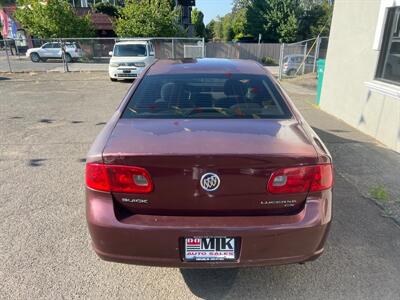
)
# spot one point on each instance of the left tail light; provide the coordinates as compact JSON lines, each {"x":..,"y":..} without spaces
{"x":301,"y":179}
{"x":118,"y":179}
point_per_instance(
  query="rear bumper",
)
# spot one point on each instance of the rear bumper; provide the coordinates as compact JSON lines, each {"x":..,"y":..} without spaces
{"x":155,"y":240}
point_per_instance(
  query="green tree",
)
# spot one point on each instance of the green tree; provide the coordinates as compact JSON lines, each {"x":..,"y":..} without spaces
{"x":198,"y":23}
{"x":6,"y":2}
{"x":106,"y":8}
{"x":276,"y":20}
{"x":210,"y":30}
{"x":322,"y":25}
{"x":52,"y":19}
{"x":315,"y":20}
{"x":217,"y":29}
{"x":239,"y":22}
{"x":227,"y":27}
{"x":147,"y":18}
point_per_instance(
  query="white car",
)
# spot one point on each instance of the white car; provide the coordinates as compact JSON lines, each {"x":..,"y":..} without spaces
{"x":129,"y":58}
{"x":52,"y":50}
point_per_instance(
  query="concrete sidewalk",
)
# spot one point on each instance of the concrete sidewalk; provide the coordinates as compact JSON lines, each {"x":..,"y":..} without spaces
{"x":373,"y":169}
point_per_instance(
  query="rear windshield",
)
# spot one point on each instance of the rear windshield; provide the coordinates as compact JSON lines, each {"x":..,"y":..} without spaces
{"x":130,"y":50}
{"x":212,"y":96}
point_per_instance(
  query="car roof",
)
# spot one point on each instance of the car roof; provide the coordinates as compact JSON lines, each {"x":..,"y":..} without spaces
{"x":206,"y":65}
{"x":132,"y":43}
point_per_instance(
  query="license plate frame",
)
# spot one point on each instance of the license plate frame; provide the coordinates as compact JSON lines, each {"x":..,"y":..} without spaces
{"x":210,"y":249}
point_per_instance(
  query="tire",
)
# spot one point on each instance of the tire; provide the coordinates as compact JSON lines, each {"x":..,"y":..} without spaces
{"x":291,"y":72}
{"x":68,"y":57}
{"x":113,"y":79}
{"x":34,"y":57}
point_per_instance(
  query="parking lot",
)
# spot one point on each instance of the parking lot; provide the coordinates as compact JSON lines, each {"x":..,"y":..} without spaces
{"x":47,"y":123}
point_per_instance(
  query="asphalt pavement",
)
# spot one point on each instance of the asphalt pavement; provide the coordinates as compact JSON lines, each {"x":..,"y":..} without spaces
{"x":47,"y":123}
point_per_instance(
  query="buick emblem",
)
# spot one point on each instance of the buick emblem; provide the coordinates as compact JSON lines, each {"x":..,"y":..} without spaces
{"x":210,"y":182}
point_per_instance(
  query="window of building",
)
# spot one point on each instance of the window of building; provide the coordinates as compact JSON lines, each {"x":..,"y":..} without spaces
{"x":389,"y":60}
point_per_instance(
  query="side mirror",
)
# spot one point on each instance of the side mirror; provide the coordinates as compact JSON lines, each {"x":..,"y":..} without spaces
{"x":110,"y":53}
{"x":152,"y":53}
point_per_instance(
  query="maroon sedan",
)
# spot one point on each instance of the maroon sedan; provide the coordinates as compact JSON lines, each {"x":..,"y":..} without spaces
{"x":207,"y":163}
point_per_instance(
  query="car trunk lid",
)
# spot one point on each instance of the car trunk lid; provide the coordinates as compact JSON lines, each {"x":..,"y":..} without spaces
{"x":177,"y":153}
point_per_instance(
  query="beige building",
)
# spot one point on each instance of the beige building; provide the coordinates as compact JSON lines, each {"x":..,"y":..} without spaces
{"x":362,"y":75}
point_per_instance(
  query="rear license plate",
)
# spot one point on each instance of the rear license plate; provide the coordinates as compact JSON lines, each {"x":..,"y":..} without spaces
{"x":210,"y":249}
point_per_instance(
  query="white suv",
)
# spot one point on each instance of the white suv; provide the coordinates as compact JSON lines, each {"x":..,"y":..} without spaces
{"x":129,"y":58}
{"x":53,"y":50}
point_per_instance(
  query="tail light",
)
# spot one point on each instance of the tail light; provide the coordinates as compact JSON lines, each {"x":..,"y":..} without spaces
{"x":119,"y":179}
{"x":301,"y":179}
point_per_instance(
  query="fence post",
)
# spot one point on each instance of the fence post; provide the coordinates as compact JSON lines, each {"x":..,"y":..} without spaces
{"x":8,"y":57}
{"x":304,"y":58}
{"x":65,"y":63}
{"x":259,"y":50}
{"x":316,"y":56}
{"x":204,"y":47}
{"x":281,"y":61}
{"x":173,"y":48}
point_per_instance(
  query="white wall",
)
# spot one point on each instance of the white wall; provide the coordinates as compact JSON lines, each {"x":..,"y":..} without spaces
{"x":349,"y":90}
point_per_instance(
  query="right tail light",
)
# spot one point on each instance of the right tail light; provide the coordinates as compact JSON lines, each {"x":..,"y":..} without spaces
{"x":301,"y":179}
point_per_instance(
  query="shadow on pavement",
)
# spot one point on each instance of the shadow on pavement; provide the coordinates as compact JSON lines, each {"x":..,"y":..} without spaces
{"x":210,"y":283}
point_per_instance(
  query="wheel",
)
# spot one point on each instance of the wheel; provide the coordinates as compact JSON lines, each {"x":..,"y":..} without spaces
{"x":35,"y":57}
{"x":68,"y":57}
{"x":113,"y":79}
{"x":291,"y":72}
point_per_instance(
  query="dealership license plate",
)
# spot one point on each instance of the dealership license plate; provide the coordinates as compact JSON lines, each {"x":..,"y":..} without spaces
{"x":210,"y":248}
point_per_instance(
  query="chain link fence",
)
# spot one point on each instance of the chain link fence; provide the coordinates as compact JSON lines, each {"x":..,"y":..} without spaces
{"x":92,"y":54}
{"x":301,"y":58}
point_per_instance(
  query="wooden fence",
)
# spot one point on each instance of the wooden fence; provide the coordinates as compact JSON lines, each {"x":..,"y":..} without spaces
{"x":243,"y":51}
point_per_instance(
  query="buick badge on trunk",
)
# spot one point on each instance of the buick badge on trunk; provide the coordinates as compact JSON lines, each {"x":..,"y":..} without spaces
{"x":210,"y":182}
{"x":206,"y":164}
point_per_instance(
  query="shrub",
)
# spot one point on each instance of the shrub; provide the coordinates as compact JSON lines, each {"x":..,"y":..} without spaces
{"x":269,"y":61}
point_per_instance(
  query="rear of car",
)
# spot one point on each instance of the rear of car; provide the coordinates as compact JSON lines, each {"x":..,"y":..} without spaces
{"x":207,"y":163}
{"x":129,"y":59}
{"x":294,"y":64}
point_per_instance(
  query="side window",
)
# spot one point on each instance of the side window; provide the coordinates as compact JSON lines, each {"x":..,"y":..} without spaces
{"x":47,"y":46}
{"x":389,"y":60}
{"x":56,"y":45}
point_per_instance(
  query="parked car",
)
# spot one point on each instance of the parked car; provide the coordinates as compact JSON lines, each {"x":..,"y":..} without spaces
{"x":129,"y":58}
{"x":52,"y":50}
{"x":292,"y":63}
{"x":207,"y":163}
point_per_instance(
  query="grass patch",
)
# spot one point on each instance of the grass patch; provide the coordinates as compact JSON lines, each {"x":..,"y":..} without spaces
{"x":379,"y":193}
